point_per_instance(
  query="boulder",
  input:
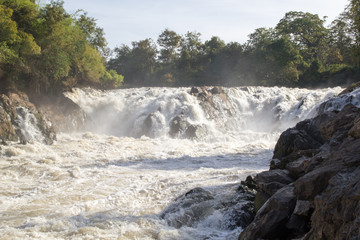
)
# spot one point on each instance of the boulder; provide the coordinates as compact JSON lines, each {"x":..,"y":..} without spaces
{"x":271,"y":181}
{"x":270,"y":220}
{"x":178,"y":125}
{"x":62,"y":112}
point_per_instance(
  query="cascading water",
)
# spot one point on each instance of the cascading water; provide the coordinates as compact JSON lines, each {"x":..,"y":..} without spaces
{"x":126,"y":176}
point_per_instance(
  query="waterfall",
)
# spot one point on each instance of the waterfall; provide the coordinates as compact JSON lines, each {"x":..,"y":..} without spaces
{"x":151,"y":163}
{"x":201,"y":113}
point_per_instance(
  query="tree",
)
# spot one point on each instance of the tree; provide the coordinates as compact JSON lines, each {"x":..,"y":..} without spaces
{"x":16,"y":46}
{"x":351,"y":19}
{"x":170,"y":42}
{"x":94,"y":34}
{"x":137,"y":64}
{"x":307,"y":31}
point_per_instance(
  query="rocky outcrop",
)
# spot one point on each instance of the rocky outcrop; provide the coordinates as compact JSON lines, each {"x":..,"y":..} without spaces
{"x":213,"y":98}
{"x":64,"y":114}
{"x":21,"y":121}
{"x":312,"y":190}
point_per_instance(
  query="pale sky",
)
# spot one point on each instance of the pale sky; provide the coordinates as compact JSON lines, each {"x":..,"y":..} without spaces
{"x":125,"y":21}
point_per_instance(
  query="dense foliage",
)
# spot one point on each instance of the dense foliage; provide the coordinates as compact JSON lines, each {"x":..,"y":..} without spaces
{"x":46,"y":50}
{"x":298,"y":51}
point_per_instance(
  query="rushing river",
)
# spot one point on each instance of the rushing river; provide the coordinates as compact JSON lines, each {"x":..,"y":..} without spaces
{"x":116,"y":179}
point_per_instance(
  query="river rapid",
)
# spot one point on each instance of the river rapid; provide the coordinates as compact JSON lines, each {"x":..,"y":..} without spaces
{"x":118,"y":177}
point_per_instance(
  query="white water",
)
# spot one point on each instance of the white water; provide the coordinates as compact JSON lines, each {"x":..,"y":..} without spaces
{"x":106,"y":184}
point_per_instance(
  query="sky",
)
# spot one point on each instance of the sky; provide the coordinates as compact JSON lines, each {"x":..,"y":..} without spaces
{"x":125,"y":21}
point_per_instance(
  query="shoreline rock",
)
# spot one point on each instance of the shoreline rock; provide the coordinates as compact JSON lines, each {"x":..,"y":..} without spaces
{"x":21,"y":121}
{"x":312,"y":190}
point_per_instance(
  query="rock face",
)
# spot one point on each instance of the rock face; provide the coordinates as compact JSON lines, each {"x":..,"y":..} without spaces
{"x":312,"y":190}
{"x":64,"y":114}
{"x":21,"y":121}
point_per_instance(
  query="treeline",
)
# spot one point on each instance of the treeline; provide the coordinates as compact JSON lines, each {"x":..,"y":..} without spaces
{"x":46,"y":50}
{"x":298,"y":51}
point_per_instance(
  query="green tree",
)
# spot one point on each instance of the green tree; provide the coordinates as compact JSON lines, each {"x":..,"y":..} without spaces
{"x":137,"y":64}
{"x":16,"y":46}
{"x":94,"y":34}
{"x":169,"y":42}
{"x":307,"y":31}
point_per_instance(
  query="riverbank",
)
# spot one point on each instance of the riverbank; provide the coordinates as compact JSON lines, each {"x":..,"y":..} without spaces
{"x":312,"y":189}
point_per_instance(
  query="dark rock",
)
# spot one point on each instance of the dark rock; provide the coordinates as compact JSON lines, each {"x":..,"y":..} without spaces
{"x":188,"y":208}
{"x":355,"y":130}
{"x":337,"y":209}
{"x":303,"y":208}
{"x":313,"y":183}
{"x":217,"y":90}
{"x":322,"y":155}
{"x":294,"y":140}
{"x":271,"y":181}
{"x":62,"y":112}
{"x":270,"y":220}
{"x":249,"y":182}
{"x":178,"y":125}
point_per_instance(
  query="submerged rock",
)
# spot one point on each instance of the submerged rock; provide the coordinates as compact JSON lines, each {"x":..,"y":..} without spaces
{"x":200,"y":206}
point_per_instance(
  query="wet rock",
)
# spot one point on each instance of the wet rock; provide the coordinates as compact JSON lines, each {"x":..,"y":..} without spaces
{"x":295,"y":140}
{"x":7,"y":131}
{"x":214,"y":102}
{"x":18,"y":115}
{"x":196,"y":132}
{"x":62,"y":112}
{"x":270,"y":220}
{"x":178,"y":125}
{"x":189,"y":208}
{"x":271,"y":181}
{"x":200,"y":206}
{"x":313,"y":183}
{"x":322,"y":157}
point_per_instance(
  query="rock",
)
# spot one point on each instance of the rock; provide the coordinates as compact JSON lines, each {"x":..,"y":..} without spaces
{"x":295,"y":140}
{"x":178,"y":125}
{"x":7,"y":131}
{"x":321,"y":155}
{"x":20,"y":120}
{"x":355,"y":130}
{"x":188,"y":208}
{"x":337,"y":209}
{"x":213,"y":98}
{"x":271,"y":181}
{"x":196,"y":132}
{"x":249,"y":182}
{"x":313,"y":183}
{"x":270,"y":220}
{"x":303,"y":208}
{"x":62,"y":112}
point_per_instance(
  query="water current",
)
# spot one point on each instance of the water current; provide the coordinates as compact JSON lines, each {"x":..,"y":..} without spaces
{"x":116,"y":179}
